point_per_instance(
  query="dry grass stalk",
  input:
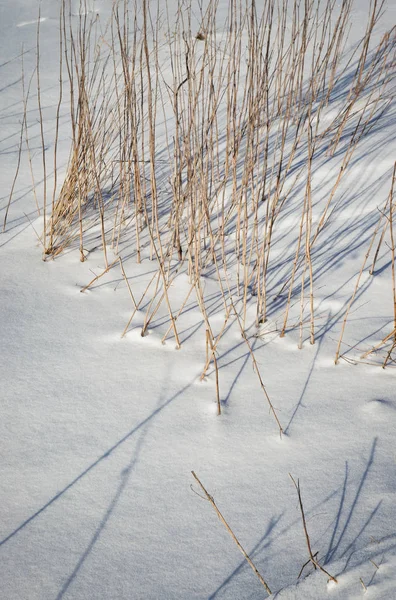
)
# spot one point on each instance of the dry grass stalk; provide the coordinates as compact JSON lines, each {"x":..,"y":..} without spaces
{"x":138,"y":304}
{"x":57,"y":119}
{"x":16,"y":170}
{"x":392,"y":246}
{"x":312,"y":558}
{"x":108,"y":267}
{"x":26,"y":94}
{"x":389,"y":202}
{"x":213,"y":355}
{"x":41,"y":133}
{"x":256,"y":369}
{"x":127,"y":282}
{"x":232,"y":534}
{"x":363,"y":585}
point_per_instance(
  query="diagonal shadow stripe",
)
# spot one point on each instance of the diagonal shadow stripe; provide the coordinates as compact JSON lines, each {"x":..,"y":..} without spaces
{"x":155,"y":413}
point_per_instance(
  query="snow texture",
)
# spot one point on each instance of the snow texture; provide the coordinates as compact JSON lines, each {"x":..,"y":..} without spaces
{"x":99,"y":434}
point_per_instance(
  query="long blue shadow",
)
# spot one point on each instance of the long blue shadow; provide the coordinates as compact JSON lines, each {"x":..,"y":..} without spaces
{"x":126,"y":437}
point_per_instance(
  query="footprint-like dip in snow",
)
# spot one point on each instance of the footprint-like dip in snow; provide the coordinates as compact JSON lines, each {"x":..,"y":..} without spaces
{"x":34,"y":22}
{"x":380,"y":407}
{"x":134,"y":335}
{"x":331,"y":304}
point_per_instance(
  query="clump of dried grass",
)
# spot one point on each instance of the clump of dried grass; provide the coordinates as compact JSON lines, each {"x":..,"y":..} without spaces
{"x":197,"y":138}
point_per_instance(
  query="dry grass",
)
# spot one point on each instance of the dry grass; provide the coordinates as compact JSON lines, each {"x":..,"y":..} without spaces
{"x":195,"y":137}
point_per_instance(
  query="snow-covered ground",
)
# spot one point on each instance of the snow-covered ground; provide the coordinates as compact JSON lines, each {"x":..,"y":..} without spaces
{"x":99,"y":435}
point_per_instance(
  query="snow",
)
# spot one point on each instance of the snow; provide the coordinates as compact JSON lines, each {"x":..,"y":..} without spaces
{"x":99,"y":434}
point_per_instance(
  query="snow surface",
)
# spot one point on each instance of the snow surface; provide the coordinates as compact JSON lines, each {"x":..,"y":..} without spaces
{"x":99,"y":435}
